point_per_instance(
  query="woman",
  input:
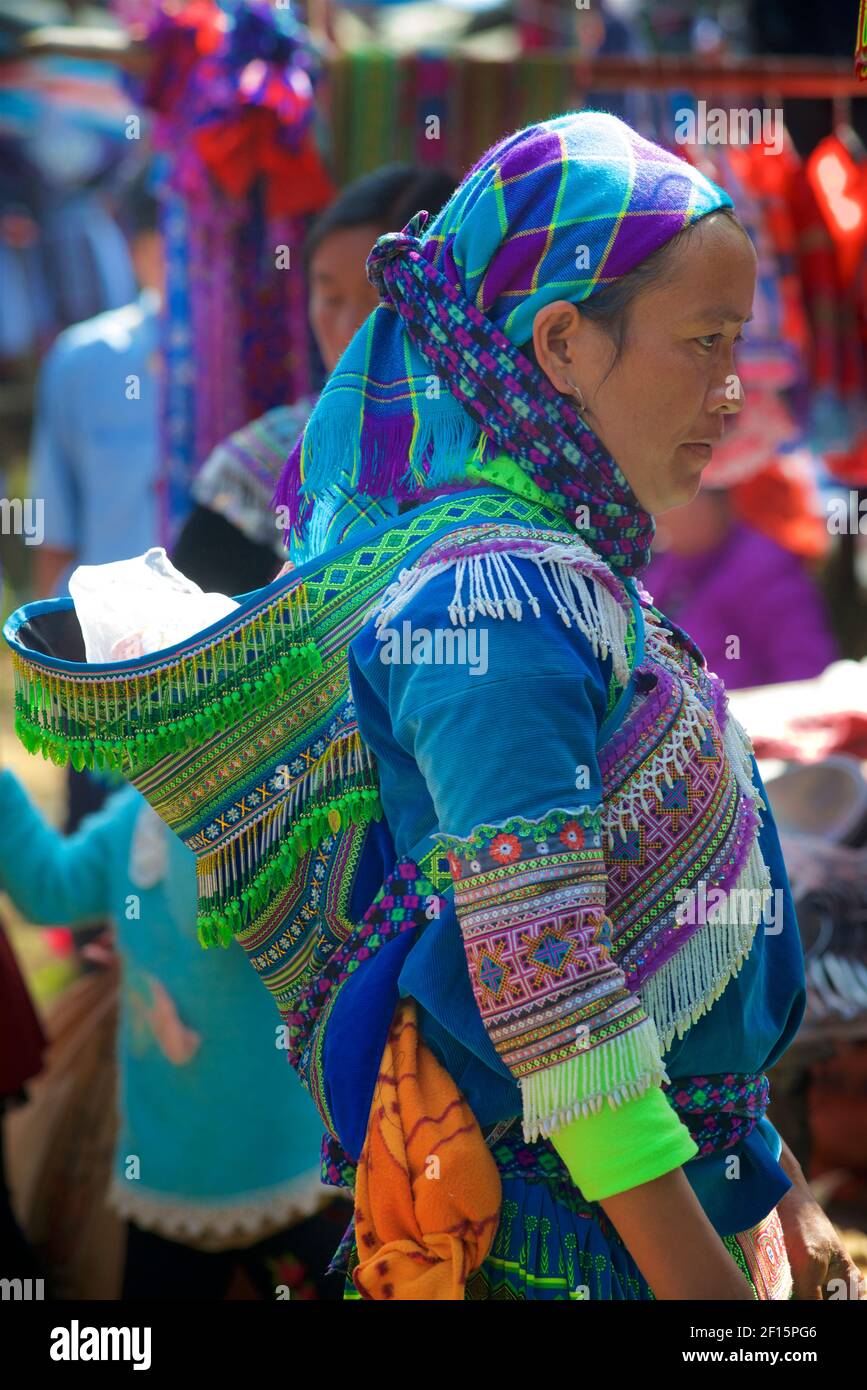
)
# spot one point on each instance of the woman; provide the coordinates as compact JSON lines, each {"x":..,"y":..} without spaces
{"x":648,"y":361}
{"x":560,"y":808}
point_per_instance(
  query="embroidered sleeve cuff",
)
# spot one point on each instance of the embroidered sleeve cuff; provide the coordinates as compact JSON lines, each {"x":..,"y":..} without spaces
{"x":530,"y":900}
{"x":614,"y":1150}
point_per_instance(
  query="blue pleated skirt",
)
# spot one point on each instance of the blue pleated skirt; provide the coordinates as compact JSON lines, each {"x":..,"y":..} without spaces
{"x":551,"y":1243}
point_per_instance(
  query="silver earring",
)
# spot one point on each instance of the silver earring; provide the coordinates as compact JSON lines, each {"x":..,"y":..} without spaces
{"x":576,"y":393}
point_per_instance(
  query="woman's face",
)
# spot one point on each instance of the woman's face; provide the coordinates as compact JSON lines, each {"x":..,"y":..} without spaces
{"x":660,"y":409}
{"x":340,"y":296}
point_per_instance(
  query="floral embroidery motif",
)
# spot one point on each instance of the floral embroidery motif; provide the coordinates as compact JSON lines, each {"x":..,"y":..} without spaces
{"x":505,"y":849}
{"x":572,"y":834}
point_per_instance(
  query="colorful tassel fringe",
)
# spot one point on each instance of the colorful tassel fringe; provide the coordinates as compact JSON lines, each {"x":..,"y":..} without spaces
{"x":41,"y":696}
{"x":218,"y":925}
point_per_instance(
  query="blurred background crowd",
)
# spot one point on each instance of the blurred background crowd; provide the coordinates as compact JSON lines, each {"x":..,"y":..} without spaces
{"x":188,"y":192}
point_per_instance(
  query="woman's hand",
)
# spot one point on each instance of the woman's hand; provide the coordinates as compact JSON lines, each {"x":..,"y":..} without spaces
{"x":821,"y":1266}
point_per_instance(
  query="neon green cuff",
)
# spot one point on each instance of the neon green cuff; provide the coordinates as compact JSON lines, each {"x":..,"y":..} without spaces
{"x":612,"y":1150}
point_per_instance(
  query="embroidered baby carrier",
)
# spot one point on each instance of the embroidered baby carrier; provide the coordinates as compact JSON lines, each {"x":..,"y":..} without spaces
{"x":244,"y":740}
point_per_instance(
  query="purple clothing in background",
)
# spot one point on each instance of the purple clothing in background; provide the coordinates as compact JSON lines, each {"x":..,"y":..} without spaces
{"x":752,"y":589}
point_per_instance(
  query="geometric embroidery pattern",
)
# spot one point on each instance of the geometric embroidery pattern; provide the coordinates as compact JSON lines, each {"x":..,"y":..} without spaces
{"x":672,"y":809}
{"x":720,"y":1111}
{"x":530,"y":899}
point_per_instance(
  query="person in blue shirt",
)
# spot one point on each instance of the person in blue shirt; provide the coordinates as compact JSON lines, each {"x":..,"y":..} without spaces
{"x":210,"y":1175}
{"x":95,"y":449}
{"x":95,"y":443}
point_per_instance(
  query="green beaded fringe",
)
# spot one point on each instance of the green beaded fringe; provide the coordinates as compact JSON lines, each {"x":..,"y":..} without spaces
{"x":144,"y":747}
{"x":218,"y":925}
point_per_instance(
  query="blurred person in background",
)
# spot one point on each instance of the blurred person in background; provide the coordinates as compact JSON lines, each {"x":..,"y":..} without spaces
{"x":215,"y":1163}
{"x":733,"y":568}
{"x":95,"y":456}
{"x":234,"y":489}
{"x":94,"y":452}
{"x":22,"y":1044}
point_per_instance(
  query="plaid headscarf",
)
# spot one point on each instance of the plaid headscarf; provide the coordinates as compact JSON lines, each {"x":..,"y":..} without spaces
{"x":556,"y":211}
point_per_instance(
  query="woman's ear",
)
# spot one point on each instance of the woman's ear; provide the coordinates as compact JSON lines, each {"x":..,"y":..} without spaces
{"x":555,"y":332}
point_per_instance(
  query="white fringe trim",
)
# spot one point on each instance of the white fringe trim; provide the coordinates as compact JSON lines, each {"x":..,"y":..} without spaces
{"x":658,"y":646}
{"x":250,"y":1217}
{"x":739,"y":748}
{"x":616,"y":1071}
{"x":684,"y":989}
{"x":496,"y":588}
{"x":736,"y":740}
{"x":621,"y":812}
